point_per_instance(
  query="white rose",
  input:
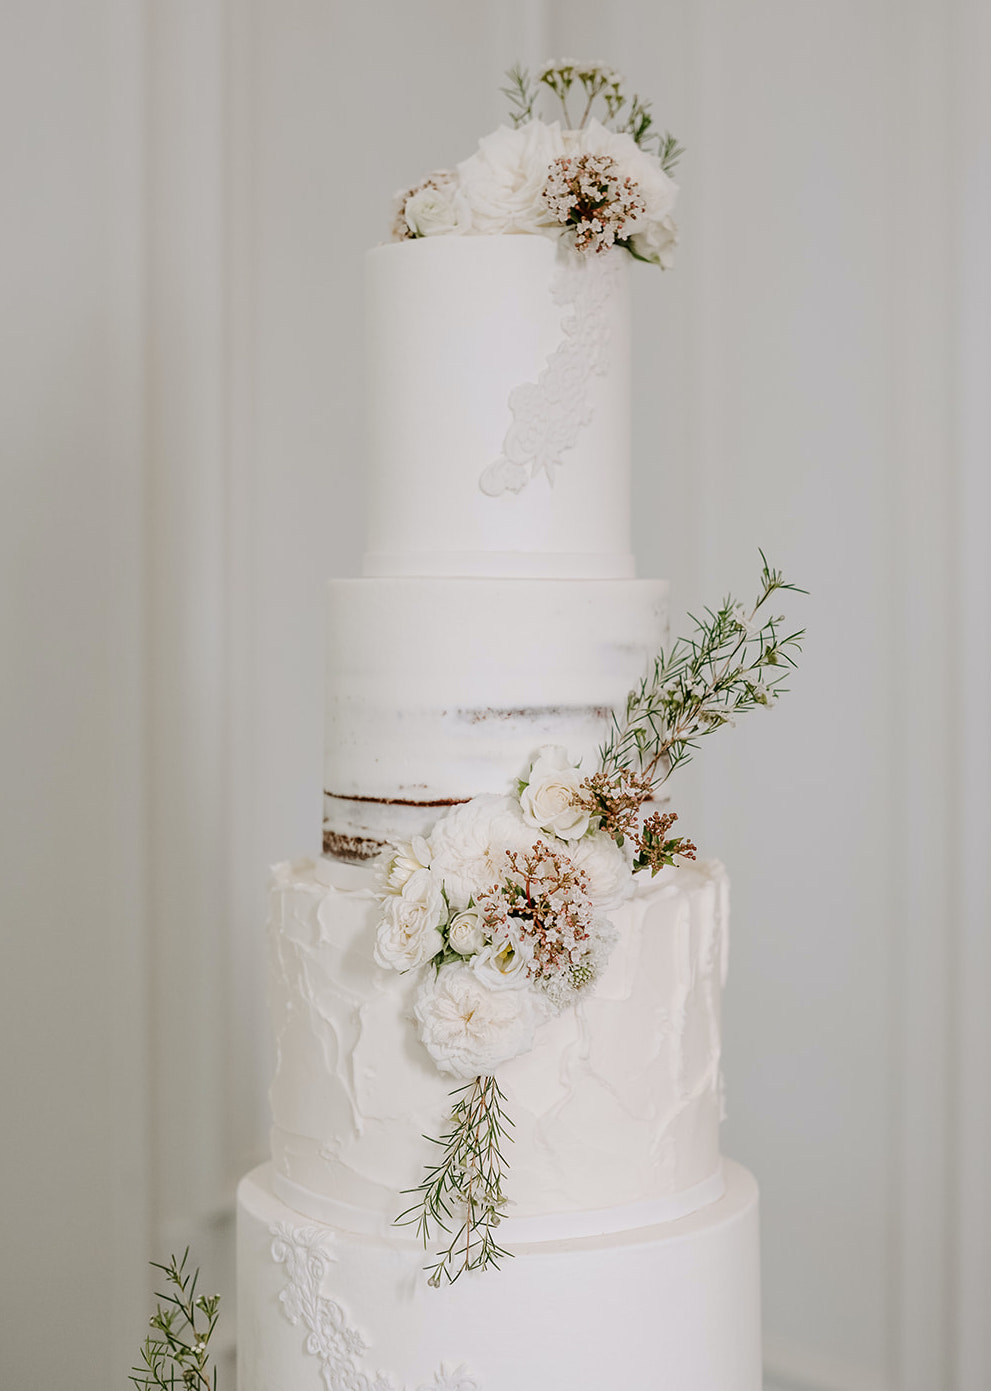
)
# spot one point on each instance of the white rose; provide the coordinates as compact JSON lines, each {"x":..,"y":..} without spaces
{"x":437,"y":212}
{"x":503,"y":181}
{"x":408,"y":934}
{"x":465,"y":933}
{"x":547,"y":800}
{"x":470,"y":1030}
{"x":504,"y":964}
{"x":610,"y":880}
{"x":656,"y":242}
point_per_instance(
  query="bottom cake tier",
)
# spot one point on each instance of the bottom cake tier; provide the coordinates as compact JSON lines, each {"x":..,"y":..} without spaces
{"x":674,"y":1306}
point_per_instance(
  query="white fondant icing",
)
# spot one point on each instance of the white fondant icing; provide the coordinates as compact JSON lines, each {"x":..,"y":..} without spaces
{"x":441,"y":689}
{"x":331,"y":1338}
{"x":616,"y":1104}
{"x":458,"y":328}
{"x":675,"y":1305}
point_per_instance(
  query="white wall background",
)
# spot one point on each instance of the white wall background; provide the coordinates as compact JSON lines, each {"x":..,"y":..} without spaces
{"x":187,"y":189}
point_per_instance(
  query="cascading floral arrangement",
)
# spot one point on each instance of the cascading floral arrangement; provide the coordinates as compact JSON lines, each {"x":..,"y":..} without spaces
{"x":591,"y":183}
{"x":504,"y":907}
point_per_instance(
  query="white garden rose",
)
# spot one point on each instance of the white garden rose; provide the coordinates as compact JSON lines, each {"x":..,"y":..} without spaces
{"x":606,"y":868}
{"x":469,"y":844}
{"x":547,"y":801}
{"x":505,"y":963}
{"x":437,"y":211}
{"x":408,"y":934}
{"x":465,"y":933}
{"x":468,"y":1029}
{"x":503,"y":181}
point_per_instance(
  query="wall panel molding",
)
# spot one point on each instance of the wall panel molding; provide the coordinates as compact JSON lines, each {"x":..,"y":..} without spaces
{"x":188,"y":618}
{"x":970,"y":1177}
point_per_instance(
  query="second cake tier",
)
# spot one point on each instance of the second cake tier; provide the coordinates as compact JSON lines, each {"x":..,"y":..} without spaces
{"x":439,"y":689}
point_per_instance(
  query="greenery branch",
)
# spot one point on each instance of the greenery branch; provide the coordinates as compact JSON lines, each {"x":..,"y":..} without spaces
{"x":736,"y":659}
{"x":176,"y":1352}
{"x":463,"y":1191}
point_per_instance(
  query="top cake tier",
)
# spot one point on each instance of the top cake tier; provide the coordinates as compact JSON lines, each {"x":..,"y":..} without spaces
{"x":499,"y":409}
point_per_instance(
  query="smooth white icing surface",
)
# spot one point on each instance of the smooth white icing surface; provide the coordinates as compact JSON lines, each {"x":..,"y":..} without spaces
{"x":479,"y":347}
{"x":617,"y":1104}
{"x":441,"y":689}
{"x":672,"y":1306}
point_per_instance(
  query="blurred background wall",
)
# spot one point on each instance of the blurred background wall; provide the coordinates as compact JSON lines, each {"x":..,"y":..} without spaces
{"x":188,"y":186}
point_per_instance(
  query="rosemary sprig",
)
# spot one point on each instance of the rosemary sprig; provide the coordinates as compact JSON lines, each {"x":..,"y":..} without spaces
{"x":669,"y":152}
{"x":176,"y":1352}
{"x":735,"y":660}
{"x":521,"y":95}
{"x":465,"y":1188}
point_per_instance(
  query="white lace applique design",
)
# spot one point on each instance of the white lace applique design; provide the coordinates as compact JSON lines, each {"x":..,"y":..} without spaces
{"x":330,"y":1336}
{"x":550,"y":413}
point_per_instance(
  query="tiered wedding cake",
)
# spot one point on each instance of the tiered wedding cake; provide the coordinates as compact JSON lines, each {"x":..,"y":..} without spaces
{"x":495,"y":916}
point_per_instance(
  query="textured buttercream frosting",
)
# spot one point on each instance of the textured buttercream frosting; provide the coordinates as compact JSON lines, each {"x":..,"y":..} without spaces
{"x":617,"y":1104}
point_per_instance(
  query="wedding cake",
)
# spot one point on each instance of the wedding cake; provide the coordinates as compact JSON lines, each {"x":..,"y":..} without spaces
{"x":496,"y":997}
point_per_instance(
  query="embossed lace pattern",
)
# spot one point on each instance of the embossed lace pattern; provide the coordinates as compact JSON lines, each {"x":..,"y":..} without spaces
{"x":550,"y":413}
{"x":330,"y":1336}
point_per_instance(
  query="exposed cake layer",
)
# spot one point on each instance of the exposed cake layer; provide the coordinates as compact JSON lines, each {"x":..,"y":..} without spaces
{"x":616,"y":1108}
{"x":441,"y":689}
{"x":498,"y":381}
{"x":674,"y":1305}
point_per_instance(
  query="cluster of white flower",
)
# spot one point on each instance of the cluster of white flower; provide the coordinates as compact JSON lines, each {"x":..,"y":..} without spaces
{"x":586,"y":194}
{"x":501,"y":189}
{"x":506,"y":899}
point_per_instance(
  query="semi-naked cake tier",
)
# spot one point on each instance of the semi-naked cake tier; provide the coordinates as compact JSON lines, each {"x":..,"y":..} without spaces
{"x":441,"y":689}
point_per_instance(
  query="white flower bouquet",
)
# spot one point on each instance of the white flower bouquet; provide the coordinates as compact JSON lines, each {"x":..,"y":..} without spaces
{"x":594,"y":184}
{"x":506,"y":902}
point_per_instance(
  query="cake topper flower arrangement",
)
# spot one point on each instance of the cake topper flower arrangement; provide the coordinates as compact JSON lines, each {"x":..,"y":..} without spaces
{"x":597,"y":175}
{"x":502,"y":911}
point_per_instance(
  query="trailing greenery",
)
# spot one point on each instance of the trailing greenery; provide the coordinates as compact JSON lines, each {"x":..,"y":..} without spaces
{"x":176,"y":1352}
{"x":590,"y":82}
{"x":736,"y":660}
{"x":463,"y":1191}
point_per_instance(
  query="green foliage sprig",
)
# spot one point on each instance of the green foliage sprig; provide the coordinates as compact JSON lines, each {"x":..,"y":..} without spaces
{"x":590,"y":82}
{"x":176,"y":1352}
{"x":463,"y":1191}
{"x":736,"y":660}
{"x":521,"y":95}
